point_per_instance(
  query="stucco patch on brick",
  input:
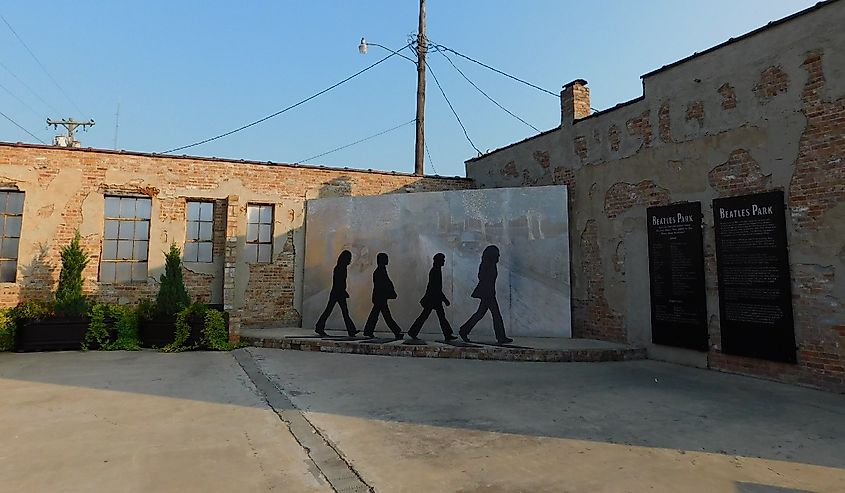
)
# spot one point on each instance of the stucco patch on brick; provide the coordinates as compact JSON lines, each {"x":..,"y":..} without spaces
{"x":641,"y":127}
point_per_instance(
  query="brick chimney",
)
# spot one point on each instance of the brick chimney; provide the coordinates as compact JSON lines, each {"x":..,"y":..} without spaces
{"x":574,"y":101}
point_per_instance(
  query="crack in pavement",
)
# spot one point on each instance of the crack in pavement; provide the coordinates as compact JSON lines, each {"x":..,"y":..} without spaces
{"x":340,"y":475}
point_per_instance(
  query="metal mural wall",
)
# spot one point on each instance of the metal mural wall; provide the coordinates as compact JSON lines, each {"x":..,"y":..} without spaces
{"x":529,"y":226}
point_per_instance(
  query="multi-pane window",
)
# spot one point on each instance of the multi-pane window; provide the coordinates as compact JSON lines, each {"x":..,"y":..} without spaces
{"x":259,"y":233}
{"x":198,"y":237}
{"x":11,"y":215}
{"x":126,"y":240}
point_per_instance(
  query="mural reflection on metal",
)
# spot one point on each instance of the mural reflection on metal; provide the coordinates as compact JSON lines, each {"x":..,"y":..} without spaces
{"x":529,"y":284}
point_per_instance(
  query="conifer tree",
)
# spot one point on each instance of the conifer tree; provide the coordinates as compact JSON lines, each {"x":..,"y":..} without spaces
{"x":70,"y":301}
{"x":172,"y":295}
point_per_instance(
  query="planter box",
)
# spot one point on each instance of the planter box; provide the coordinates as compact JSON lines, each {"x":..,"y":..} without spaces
{"x":157,"y":332}
{"x":52,"y":334}
{"x":160,"y":332}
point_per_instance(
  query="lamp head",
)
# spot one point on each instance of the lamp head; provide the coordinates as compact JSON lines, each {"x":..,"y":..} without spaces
{"x":362,"y":48}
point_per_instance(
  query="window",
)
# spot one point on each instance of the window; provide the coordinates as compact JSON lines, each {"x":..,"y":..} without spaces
{"x":198,"y":237}
{"x":259,"y":233}
{"x":11,"y":215}
{"x":126,"y":240}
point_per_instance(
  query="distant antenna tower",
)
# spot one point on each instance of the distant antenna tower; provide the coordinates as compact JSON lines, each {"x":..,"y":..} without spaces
{"x":70,"y":125}
{"x":116,"y":124}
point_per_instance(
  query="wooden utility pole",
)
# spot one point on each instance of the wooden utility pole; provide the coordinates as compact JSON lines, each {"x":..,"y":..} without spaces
{"x":422,"y":46}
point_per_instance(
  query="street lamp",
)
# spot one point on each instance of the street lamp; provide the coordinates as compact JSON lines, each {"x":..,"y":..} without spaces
{"x":419,"y":143}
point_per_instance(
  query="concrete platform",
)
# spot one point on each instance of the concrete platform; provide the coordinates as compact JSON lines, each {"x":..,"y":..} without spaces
{"x":522,"y":349}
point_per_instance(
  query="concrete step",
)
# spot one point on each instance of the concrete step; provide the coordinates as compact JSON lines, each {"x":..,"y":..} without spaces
{"x":432,"y":346}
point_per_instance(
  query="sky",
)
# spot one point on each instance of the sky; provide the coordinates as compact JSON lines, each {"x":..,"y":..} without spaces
{"x":156,"y":75}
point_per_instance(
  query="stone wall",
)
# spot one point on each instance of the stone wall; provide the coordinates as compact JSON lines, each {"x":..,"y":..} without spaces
{"x":65,"y":191}
{"x":762,"y":112}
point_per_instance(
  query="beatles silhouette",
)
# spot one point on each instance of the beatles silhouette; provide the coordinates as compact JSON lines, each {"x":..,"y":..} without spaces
{"x":338,"y":295}
{"x":434,"y":299}
{"x":485,"y":291}
{"x":383,"y":291}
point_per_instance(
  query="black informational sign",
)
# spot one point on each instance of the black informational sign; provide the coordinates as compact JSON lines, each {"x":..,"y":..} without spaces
{"x":676,"y":271}
{"x":755,"y":297}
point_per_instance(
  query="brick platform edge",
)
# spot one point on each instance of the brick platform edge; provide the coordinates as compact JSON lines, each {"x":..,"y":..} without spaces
{"x":444,"y":351}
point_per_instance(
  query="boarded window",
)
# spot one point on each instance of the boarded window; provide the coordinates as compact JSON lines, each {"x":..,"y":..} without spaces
{"x":259,"y":234}
{"x":199,"y":233}
{"x":11,"y":217}
{"x":126,"y":240}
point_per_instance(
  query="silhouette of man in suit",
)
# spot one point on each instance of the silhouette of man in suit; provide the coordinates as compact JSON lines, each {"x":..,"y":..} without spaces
{"x":383,"y":291}
{"x":338,"y":295}
{"x":434,"y":299}
{"x":485,"y":291}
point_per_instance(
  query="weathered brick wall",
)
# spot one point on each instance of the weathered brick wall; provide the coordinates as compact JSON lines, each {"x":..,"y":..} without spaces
{"x":764,"y":112}
{"x":65,"y":191}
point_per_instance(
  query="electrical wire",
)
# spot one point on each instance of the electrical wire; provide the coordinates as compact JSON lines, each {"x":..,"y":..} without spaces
{"x":484,"y":93}
{"x":428,"y":153}
{"x":31,"y":91}
{"x":19,"y":100}
{"x":309,"y":98}
{"x":41,"y":64}
{"x":358,"y":141}
{"x":452,"y":108}
{"x":445,"y":48}
{"x":20,"y":127}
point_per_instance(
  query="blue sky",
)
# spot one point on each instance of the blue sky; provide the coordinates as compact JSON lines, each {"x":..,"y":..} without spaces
{"x":183,"y":71}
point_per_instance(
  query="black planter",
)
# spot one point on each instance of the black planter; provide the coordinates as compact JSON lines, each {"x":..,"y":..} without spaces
{"x":157,"y":332}
{"x":52,"y":334}
{"x":196,"y":322}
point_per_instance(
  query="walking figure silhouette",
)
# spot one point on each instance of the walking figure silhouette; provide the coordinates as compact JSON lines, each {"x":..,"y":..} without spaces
{"x":434,"y":299}
{"x":383,"y":291}
{"x":485,"y":291}
{"x":338,"y":295}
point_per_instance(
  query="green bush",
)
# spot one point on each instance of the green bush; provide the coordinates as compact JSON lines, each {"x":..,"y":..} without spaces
{"x":214,"y":334}
{"x":97,"y":335}
{"x":146,"y":310}
{"x":122,"y":319}
{"x":126,"y":323}
{"x":183,"y":327}
{"x":70,"y":301}
{"x":8,"y":325}
{"x":32,"y":310}
{"x":172,"y":296}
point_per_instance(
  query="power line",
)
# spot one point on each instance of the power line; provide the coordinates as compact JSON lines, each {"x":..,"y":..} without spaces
{"x":485,"y":94}
{"x":19,"y":100}
{"x":453,"y":109}
{"x":31,"y":91}
{"x":256,"y":122}
{"x":430,"y":161}
{"x":40,"y":64}
{"x":445,"y":48}
{"x":20,"y":127}
{"x":358,"y":141}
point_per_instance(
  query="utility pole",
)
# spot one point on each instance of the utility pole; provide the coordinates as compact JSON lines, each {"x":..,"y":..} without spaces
{"x":70,"y":125}
{"x":422,"y":47}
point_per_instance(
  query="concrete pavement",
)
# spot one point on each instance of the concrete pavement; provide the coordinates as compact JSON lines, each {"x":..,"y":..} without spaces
{"x":188,"y":422}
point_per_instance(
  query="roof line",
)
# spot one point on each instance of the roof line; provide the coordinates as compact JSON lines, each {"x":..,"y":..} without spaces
{"x":663,"y":68}
{"x":223,"y":160}
{"x":768,"y":26}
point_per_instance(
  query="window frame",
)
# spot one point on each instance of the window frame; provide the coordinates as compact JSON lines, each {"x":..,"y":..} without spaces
{"x":4,"y":216}
{"x":198,"y":241}
{"x":119,"y":241}
{"x":256,"y":244}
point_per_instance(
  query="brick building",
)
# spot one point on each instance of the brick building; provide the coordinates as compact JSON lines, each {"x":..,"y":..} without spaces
{"x":239,"y":223}
{"x":762,"y":112}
